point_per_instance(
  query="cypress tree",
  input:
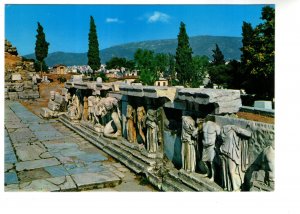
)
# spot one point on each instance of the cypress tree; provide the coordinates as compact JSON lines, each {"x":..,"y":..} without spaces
{"x":93,"y":52}
{"x":184,"y":63}
{"x":218,"y":57}
{"x":41,"y":45}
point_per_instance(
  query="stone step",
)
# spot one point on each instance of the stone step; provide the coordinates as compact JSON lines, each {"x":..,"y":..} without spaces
{"x":117,"y":153}
{"x":170,"y":183}
{"x":198,"y":182}
{"x":130,"y":158}
{"x":135,"y":153}
{"x":132,"y":150}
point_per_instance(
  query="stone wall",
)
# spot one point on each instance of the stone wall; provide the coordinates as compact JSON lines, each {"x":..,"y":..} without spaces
{"x":20,"y":76}
{"x":150,"y":120}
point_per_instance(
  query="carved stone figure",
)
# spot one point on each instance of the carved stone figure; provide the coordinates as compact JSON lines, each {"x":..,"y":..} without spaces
{"x":113,"y":128}
{"x":74,"y":110}
{"x":91,"y":106}
{"x":130,"y":128}
{"x":141,"y":122}
{"x":210,"y":132}
{"x":152,"y":131}
{"x":85,"y":113}
{"x":189,"y":140}
{"x":268,"y":158}
{"x":233,"y":154}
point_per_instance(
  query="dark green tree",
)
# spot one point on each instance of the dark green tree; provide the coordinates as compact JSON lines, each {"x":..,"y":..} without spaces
{"x":170,"y":72}
{"x":144,"y":59}
{"x":93,"y":52}
{"x":116,"y":62}
{"x":218,"y":57}
{"x":161,"y":61}
{"x":248,"y":46}
{"x":41,"y":46}
{"x":219,"y":75}
{"x":184,"y":64}
{"x":200,"y":70}
{"x":145,"y":63}
{"x":218,"y":71}
{"x":258,"y":55}
{"x":38,"y":65}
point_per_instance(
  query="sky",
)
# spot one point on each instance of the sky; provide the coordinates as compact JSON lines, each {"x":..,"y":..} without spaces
{"x":67,"y":26}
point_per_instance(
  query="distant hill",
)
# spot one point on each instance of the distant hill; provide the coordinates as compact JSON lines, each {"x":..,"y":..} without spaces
{"x":201,"y":45}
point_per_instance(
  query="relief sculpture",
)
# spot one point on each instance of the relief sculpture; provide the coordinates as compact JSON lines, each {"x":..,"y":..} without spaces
{"x":113,"y":128}
{"x":141,"y":122}
{"x":74,"y":109}
{"x":234,"y":157}
{"x":152,"y":131}
{"x":130,"y":126}
{"x":210,"y":132}
{"x":189,"y":140}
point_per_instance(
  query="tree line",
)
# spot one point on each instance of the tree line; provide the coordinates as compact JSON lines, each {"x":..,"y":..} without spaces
{"x":254,"y":72}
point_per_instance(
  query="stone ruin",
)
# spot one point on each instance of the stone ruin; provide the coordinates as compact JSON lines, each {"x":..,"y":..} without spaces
{"x":181,"y":139}
{"x":20,"y":76}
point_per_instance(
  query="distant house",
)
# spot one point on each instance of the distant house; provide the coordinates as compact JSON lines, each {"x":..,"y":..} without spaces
{"x":161,"y":82}
{"x":131,"y":73}
{"x":59,"y":69}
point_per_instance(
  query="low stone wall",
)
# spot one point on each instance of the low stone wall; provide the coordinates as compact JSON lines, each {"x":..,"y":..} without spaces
{"x":166,"y":125}
{"x":21,"y":90}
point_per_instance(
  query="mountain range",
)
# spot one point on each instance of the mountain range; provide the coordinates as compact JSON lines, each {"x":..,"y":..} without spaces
{"x":201,"y":45}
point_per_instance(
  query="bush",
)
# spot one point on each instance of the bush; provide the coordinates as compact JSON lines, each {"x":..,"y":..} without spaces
{"x":62,"y":79}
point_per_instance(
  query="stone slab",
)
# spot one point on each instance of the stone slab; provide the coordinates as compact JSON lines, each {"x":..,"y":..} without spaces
{"x":39,"y":185}
{"x":13,"y":95}
{"x":22,"y":135}
{"x":91,"y":180}
{"x":10,"y":157}
{"x":11,"y":178}
{"x":12,"y":188}
{"x":34,"y":174}
{"x":65,"y":183}
{"x":16,"y":77}
{"x":57,"y":171}
{"x":91,"y":157}
{"x":59,"y":98}
{"x":53,"y":106}
{"x":30,"y":152}
{"x":8,"y":166}
{"x":48,"y":135}
{"x":15,"y":125}
{"x":27,"y":165}
{"x":263,"y":104}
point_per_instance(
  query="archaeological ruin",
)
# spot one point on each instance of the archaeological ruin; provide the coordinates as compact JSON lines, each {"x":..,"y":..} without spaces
{"x":180,"y":139}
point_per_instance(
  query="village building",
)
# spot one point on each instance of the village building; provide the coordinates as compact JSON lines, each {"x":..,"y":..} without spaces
{"x":161,"y":82}
{"x":59,"y":69}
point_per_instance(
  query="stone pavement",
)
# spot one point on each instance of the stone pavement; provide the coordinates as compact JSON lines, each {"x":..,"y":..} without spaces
{"x":44,"y":155}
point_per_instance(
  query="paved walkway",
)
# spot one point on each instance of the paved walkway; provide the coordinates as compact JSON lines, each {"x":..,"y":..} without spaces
{"x":44,"y":155}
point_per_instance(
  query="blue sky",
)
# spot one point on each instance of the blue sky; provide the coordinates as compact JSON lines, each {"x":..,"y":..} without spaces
{"x":67,"y":26}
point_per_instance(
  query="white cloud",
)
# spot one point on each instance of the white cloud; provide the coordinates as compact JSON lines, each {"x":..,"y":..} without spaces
{"x":113,"y":20}
{"x":158,"y":17}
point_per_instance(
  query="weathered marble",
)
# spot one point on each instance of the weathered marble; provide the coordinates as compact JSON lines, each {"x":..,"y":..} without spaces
{"x":189,"y":136}
{"x":30,"y":152}
{"x":90,"y":180}
{"x":225,"y":100}
{"x":27,"y":165}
